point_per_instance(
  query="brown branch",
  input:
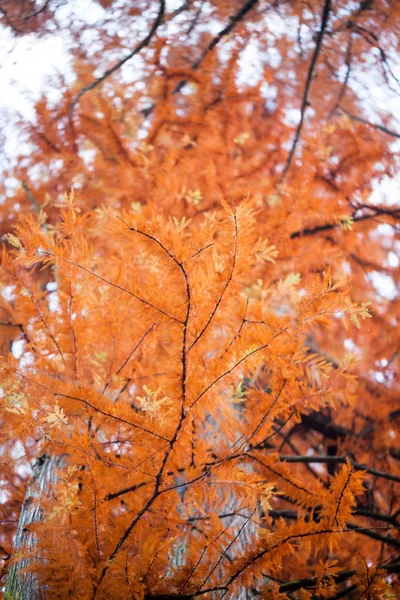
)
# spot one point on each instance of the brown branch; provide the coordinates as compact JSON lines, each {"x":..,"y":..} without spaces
{"x":132,"y":488}
{"x":119,"y":287}
{"x":263,"y":419}
{"x":373,"y":40}
{"x":329,"y":226}
{"x":153,"y":239}
{"x":228,"y":281}
{"x":237,"y":334}
{"x":363,"y":512}
{"x":201,"y":558}
{"x":37,"y":12}
{"x":201,"y":249}
{"x":48,"y":142}
{"x":344,"y":86}
{"x":289,"y":538}
{"x":145,"y":42}
{"x":90,"y":405}
{"x":311,"y":582}
{"x":345,"y":593}
{"x":264,"y":443}
{"x":195,"y":19}
{"x":118,"y":371}
{"x":305,"y":102}
{"x":223,"y":554}
{"x":374,"y":125}
{"x":346,"y":483}
{"x":339,"y":460}
{"x":35,"y":304}
{"x":171,"y":443}
{"x":280,"y":475}
{"x":31,"y":198}
{"x":234,"y":20}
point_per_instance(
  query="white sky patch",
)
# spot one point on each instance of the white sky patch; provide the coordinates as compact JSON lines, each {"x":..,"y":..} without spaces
{"x":319,"y":467}
{"x":4,"y":494}
{"x":378,"y":376}
{"x":172,"y":5}
{"x":53,"y":302}
{"x":18,"y":450}
{"x":383,"y":229}
{"x":393,"y":260}
{"x":24,"y":68}
{"x":17,"y":348}
{"x":26,"y":65}
{"x":8,"y":293}
{"x":87,"y":155}
{"x":270,"y":93}
{"x":88,"y":11}
{"x":349,"y":344}
{"x":375,"y":96}
{"x":386,"y":189}
{"x":273,"y":58}
{"x":27,"y":360}
{"x":133,"y":70}
{"x":52,"y":286}
{"x":250,"y":65}
{"x":384,"y":284}
{"x":292,"y":117}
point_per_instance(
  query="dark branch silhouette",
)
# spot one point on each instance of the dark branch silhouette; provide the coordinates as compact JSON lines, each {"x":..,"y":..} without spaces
{"x":145,"y":42}
{"x":305,"y":102}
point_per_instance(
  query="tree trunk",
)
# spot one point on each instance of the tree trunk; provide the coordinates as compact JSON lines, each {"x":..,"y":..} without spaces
{"x":21,"y":585}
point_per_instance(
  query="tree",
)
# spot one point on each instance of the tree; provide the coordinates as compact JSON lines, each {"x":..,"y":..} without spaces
{"x":195,"y":357}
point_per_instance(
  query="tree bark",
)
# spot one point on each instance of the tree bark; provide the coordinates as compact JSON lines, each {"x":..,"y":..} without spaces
{"x":21,"y":585}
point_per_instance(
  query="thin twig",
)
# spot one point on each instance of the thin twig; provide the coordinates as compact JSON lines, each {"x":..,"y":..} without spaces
{"x":112,"y":284}
{"x":374,"y":125}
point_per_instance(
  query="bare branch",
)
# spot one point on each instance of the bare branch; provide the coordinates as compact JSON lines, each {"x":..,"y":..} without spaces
{"x":305,"y":102}
{"x":374,"y":125}
{"x":311,"y":582}
{"x":31,"y":198}
{"x":145,"y":42}
{"x":339,"y":460}
{"x":328,"y":226}
{"x":225,"y":31}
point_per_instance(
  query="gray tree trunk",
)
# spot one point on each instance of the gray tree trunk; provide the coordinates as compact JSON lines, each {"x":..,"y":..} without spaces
{"x":20,"y":585}
{"x":25,"y":586}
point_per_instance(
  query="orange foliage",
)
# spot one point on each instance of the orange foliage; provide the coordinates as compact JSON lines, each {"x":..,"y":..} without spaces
{"x":191,"y":328}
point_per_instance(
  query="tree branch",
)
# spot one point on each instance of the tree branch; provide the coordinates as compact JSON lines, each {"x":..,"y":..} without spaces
{"x":145,"y":42}
{"x":329,"y":226}
{"x":311,"y":582}
{"x":119,"y":287}
{"x":374,"y":125}
{"x":305,"y":103}
{"x":225,"y":31}
{"x":339,"y":460}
